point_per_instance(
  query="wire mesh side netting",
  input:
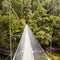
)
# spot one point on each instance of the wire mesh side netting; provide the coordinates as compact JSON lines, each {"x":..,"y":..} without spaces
{"x":29,"y":48}
{"x":39,"y":53}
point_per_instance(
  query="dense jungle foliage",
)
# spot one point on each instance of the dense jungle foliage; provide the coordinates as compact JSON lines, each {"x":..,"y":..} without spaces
{"x":44,"y":21}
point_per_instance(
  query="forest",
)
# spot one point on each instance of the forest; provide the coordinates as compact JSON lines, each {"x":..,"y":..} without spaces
{"x":43,"y":18}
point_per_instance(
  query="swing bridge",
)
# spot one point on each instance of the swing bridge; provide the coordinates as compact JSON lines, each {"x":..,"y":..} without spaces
{"x":28,"y":47}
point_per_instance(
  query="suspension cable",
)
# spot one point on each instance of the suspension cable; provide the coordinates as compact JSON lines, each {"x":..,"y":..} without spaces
{"x":49,"y":8}
{"x":13,"y":10}
{"x":53,"y":14}
{"x":10,"y":29}
{"x":15,"y":13}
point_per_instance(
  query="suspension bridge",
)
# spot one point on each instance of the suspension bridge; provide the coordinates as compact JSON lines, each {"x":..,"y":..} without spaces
{"x":28,"y":47}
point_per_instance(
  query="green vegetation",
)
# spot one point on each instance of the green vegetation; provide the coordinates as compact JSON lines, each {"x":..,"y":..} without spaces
{"x":3,"y":57}
{"x":40,"y":22}
{"x":56,"y":56}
